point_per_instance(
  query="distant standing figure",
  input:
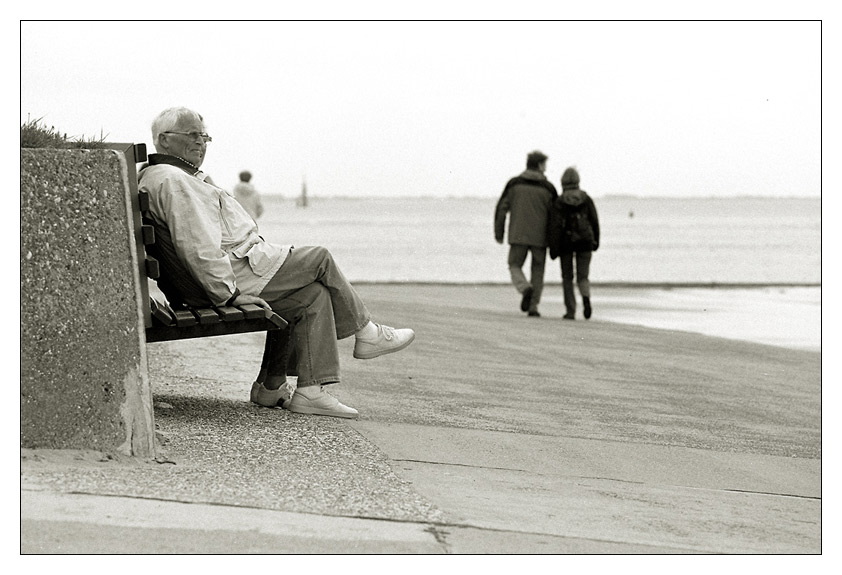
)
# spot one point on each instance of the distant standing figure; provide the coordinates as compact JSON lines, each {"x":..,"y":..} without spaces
{"x":574,"y":236}
{"x":527,"y":199}
{"x":248,"y":196}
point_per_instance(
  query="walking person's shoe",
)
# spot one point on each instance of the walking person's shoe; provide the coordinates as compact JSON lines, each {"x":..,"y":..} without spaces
{"x":527,"y":299}
{"x":269,"y":397}
{"x":387,"y":340}
{"x":569,"y":315}
{"x":587,"y":303}
{"x":315,"y":400}
{"x":534,"y":313}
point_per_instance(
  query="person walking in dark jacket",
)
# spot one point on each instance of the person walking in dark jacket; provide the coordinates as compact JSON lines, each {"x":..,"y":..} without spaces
{"x":573,"y":237}
{"x":527,"y":199}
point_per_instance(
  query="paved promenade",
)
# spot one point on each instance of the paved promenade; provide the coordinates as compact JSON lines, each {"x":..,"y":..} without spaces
{"x":492,"y":433}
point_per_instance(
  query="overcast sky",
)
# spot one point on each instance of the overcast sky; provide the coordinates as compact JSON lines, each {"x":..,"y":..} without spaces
{"x":452,"y":108}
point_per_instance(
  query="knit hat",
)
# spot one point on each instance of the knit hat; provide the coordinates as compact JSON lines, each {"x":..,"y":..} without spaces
{"x":570,"y":178}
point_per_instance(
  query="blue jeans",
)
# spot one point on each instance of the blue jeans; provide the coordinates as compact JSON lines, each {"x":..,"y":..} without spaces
{"x":310,"y":292}
{"x":517,"y":257}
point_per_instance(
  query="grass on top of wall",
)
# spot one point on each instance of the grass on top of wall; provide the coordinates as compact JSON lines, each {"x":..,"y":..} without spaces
{"x":35,"y":134}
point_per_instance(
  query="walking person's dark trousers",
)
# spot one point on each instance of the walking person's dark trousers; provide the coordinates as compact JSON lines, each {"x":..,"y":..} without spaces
{"x":583,"y":266}
{"x":517,"y":257}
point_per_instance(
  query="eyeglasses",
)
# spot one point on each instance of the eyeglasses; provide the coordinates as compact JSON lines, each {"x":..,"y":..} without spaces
{"x":194,"y":135}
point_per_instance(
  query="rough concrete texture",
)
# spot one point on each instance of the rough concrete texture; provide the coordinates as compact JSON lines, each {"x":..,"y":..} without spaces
{"x":84,"y":382}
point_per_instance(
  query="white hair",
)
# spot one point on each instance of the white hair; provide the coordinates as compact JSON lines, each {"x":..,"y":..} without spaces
{"x":169,"y":119}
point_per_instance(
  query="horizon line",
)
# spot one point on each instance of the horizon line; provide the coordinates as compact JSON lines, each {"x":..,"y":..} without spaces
{"x":606,"y":284}
{"x":601,"y":197}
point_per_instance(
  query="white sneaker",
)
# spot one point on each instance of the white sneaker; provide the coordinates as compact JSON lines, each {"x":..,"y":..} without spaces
{"x":322,"y":404}
{"x":388,"y":340}
{"x":269,"y":397}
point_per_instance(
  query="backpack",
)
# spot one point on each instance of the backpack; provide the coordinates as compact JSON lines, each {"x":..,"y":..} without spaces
{"x":577,"y":226}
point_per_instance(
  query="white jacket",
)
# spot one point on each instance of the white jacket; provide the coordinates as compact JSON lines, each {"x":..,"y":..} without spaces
{"x":213,"y":235}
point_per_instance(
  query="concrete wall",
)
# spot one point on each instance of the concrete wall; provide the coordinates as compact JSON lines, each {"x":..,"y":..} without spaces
{"x":84,"y":379}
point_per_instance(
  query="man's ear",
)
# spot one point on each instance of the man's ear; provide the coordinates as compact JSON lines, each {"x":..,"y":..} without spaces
{"x":162,"y":145}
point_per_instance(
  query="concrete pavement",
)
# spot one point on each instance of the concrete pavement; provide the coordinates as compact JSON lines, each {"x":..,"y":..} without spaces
{"x":492,"y":433}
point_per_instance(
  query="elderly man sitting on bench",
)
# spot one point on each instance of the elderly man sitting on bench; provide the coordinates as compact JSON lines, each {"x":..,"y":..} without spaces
{"x":218,"y":243}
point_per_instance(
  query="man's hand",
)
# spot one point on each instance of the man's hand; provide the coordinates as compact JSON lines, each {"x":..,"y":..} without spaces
{"x":243,"y":299}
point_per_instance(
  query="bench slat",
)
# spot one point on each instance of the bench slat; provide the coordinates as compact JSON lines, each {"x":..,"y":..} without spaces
{"x":148,"y":233}
{"x":230,"y":313}
{"x":252,"y":311}
{"x":143,"y":199}
{"x":184,"y":318}
{"x":276,"y":319}
{"x":139,"y":153}
{"x":206,"y":316}
{"x":153,"y":268}
{"x":160,"y":313}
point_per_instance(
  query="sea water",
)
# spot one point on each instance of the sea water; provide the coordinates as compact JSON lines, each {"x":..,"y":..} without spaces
{"x":669,"y":241}
{"x":766,"y":250}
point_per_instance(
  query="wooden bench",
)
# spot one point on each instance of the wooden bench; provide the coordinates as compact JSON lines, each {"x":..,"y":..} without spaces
{"x":165,"y":321}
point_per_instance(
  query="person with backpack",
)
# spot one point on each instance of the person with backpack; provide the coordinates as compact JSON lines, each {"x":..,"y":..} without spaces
{"x":573,"y":237}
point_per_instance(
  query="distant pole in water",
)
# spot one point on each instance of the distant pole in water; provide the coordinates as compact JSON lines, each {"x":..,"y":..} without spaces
{"x":302,"y":200}
{"x":631,"y":213}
